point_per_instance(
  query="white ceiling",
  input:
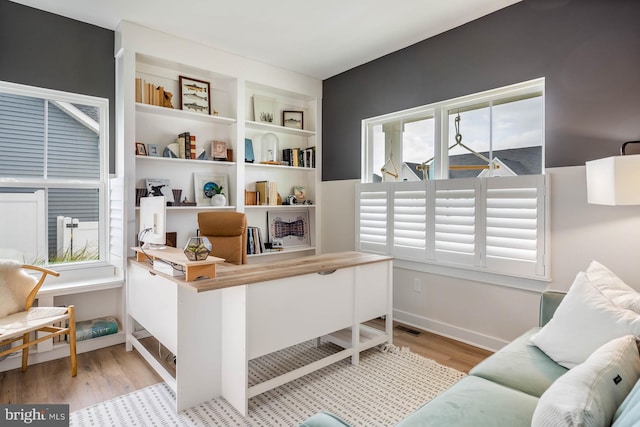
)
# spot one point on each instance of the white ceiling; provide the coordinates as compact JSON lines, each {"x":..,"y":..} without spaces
{"x":319,"y":38}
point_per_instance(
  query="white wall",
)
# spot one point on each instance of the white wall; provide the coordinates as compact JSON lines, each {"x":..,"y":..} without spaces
{"x":491,"y":315}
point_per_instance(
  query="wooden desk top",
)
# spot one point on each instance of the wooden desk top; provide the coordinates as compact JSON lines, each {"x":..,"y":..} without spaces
{"x":228,"y":275}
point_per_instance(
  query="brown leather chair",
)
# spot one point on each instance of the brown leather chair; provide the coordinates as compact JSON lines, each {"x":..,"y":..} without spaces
{"x":227,"y":232}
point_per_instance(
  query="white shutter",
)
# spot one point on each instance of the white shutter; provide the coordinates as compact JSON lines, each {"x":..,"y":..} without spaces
{"x":410,"y":220}
{"x":455,"y":221}
{"x":515,"y":224}
{"x":116,"y":223}
{"x":372,"y":217}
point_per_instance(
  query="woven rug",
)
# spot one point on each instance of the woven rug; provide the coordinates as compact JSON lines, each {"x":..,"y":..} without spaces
{"x":389,"y":384}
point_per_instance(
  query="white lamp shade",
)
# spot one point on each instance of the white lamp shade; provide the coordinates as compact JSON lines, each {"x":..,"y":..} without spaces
{"x":614,"y":180}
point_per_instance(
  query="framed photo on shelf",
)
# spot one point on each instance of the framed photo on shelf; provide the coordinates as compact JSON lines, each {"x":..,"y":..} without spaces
{"x":141,"y":149}
{"x":263,"y":109}
{"x":160,"y":187}
{"x":153,"y":150}
{"x":289,"y":226}
{"x":207,"y":185}
{"x":195,"y":95}
{"x":219,"y":150}
{"x":292,"y":119}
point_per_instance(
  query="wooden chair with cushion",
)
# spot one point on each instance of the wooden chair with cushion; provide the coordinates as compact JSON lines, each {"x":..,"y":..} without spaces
{"x":19,"y":320}
{"x":227,"y":232}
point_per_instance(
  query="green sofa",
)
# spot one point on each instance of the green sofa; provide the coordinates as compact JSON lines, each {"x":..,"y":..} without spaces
{"x":503,"y":390}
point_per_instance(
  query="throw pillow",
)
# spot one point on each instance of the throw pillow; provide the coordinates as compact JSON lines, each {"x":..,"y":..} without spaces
{"x":613,"y":287}
{"x":589,"y":394}
{"x":15,"y":285}
{"x":584,"y":320}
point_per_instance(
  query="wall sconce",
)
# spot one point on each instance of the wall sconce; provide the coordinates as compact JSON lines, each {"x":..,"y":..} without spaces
{"x":614,"y":180}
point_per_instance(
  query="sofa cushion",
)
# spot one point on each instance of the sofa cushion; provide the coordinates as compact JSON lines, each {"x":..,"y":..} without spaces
{"x":590,"y":393}
{"x":584,"y":320}
{"x":475,"y":402}
{"x":613,"y":287}
{"x":520,"y":365}
{"x":628,"y":414}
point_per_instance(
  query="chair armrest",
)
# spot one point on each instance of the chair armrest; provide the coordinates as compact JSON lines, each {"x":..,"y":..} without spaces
{"x":549,"y":302}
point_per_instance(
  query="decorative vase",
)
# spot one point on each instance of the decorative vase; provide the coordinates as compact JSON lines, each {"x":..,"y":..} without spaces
{"x":218,"y":200}
{"x":197,"y":248}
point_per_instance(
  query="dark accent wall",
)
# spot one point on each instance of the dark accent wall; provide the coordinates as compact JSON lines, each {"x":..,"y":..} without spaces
{"x":45,"y":50}
{"x":587,"y":50}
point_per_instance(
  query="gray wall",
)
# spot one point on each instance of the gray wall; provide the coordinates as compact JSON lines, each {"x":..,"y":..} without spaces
{"x":46,"y":50}
{"x":588,"y":51}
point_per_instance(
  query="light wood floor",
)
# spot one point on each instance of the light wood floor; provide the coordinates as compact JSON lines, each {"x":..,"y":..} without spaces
{"x":109,"y":372}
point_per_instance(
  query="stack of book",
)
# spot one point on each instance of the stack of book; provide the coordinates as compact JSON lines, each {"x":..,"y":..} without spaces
{"x":255,"y":243}
{"x":187,"y":144}
{"x":300,"y":157}
{"x":148,"y":93}
{"x":267,"y":193}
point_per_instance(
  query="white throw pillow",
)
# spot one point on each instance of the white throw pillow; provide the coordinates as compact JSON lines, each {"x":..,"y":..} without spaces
{"x":613,"y":287}
{"x":590,"y":393}
{"x":584,"y":320}
{"x":15,"y":286}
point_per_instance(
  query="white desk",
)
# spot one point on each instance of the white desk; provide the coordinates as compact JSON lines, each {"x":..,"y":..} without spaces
{"x":215,"y":326}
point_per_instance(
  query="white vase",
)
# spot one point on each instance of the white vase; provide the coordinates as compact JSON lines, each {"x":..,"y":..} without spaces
{"x":218,"y":200}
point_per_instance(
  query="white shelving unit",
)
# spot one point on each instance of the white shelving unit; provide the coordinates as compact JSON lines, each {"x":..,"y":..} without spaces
{"x":232,"y":99}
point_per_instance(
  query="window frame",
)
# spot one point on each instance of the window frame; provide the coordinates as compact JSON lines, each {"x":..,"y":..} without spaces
{"x":439,"y":111}
{"x":423,"y":258}
{"x":85,"y":269}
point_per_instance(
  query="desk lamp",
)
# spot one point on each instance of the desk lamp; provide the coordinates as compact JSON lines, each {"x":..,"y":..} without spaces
{"x":615,"y":180}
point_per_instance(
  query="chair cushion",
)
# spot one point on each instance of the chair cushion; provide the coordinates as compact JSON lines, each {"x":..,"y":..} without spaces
{"x":521,"y":365}
{"x":590,"y":393}
{"x":15,"y":285}
{"x":475,"y":402}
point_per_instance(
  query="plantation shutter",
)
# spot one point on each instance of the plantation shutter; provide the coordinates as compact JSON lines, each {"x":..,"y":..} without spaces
{"x":487,"y":224}
{"x":515,"y":224}
{"x":372,"y":218}
{"x":456,"y":221}
{"x":410,"y":220}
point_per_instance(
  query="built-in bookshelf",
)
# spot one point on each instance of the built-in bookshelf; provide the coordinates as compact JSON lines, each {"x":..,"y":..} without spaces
{"x":283,"y":150}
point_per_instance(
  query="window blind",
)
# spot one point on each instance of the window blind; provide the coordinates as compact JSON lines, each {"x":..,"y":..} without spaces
{"x":492,"y":224}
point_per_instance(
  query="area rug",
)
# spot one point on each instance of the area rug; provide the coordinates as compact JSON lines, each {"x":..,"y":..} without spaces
{"x":389,"y":384}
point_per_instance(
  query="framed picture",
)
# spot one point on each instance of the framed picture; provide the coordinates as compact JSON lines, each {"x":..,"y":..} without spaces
{"x":219,"y":150}
{"x":263,"y":109}
{"x":194,"y":95}
{"x":290,"y":226}
{"x":153,"y":150}
{"x":160,"y":187}
{"x":248,"y":151}
{"x":207,"y":185}
{"x":292,"y":119}
{"x":141,"y":150}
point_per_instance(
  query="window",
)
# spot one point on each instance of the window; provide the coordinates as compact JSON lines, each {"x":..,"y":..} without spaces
{"x":459,"y":184}
{"x":53,"y":176}
{"x":494,"y":133}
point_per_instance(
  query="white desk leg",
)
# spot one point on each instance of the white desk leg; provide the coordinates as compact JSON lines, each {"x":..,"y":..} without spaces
{"x":355,"y":328}
{"x":235,"y":375}
{"x":389,"y":316}
{"x":198,"y":360}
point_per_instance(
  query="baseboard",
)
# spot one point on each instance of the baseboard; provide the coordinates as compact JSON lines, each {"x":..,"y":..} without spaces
{"x":450,"y":331}
{"x":61,"y":351}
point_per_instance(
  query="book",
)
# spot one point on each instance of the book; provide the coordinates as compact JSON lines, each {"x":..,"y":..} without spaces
{"x":286,"y":156}
{"x":262,"y":188}
{"x":272,"y":198}
{"x":193,"y":146}
{"x":186,"y":142}
{"x":93,"y":328}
